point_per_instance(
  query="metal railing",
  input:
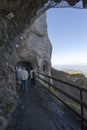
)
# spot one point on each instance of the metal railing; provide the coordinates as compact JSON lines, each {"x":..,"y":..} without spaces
{"x":79,"y":101}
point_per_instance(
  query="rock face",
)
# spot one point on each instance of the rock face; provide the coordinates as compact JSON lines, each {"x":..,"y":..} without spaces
{"x":35,"y":46}
{"x":31,"y":48}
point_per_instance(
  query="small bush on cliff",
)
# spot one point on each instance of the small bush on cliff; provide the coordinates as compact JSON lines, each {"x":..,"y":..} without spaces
{"x":7,"y":108}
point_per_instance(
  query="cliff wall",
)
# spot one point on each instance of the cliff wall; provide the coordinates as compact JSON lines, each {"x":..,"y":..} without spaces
{"x":31,"y":49}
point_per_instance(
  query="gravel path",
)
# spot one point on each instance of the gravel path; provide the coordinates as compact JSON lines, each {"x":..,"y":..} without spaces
{"x":39,"y":111}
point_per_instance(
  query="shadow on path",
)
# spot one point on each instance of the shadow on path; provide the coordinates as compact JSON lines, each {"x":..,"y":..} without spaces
{"x":38,"y":111}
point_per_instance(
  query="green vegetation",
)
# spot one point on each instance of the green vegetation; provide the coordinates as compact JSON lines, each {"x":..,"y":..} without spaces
{"x":72,"y":72}
{"x":18,"y":88}
{"x":7,"y":108}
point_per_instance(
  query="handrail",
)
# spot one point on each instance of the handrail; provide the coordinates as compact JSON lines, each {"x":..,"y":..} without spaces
{"x":66,"y":94}
{"x":67,"y":105}
{"x":71,"y":85}
{"x":78,"y":101}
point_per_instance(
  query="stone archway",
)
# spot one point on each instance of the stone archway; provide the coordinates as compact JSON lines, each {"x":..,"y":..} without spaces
{"x":27,"y":65}
{"x":45,"y":66}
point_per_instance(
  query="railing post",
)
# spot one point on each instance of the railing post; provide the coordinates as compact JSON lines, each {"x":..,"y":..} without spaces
{"x":81,"y":98}
{"x":37,"y":79}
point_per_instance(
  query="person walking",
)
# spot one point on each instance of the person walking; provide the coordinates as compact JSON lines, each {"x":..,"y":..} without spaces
{"x":33,"y":77}
{"x":24,"y":78}
{"x":18,"y":75}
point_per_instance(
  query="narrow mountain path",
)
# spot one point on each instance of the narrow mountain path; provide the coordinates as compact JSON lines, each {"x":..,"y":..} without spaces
{"x":39,"y":111}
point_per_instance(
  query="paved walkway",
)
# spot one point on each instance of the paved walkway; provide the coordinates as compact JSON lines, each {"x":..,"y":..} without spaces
{"x":38,"y":111}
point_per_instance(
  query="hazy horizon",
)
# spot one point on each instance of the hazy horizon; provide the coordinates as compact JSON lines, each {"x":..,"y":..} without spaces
{"x":75,"y":67}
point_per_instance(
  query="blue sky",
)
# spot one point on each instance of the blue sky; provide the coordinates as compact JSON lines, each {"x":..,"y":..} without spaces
{"x":67,"y":30}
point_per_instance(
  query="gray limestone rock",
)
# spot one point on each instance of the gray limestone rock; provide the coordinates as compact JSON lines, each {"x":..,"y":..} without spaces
{"x":35,"y":46}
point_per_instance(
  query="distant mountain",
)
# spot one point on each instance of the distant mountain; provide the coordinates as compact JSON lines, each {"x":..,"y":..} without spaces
{"x":78,"y":68}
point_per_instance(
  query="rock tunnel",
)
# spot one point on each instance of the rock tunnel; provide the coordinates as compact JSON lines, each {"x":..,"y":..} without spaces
{"x":25,"y":64}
